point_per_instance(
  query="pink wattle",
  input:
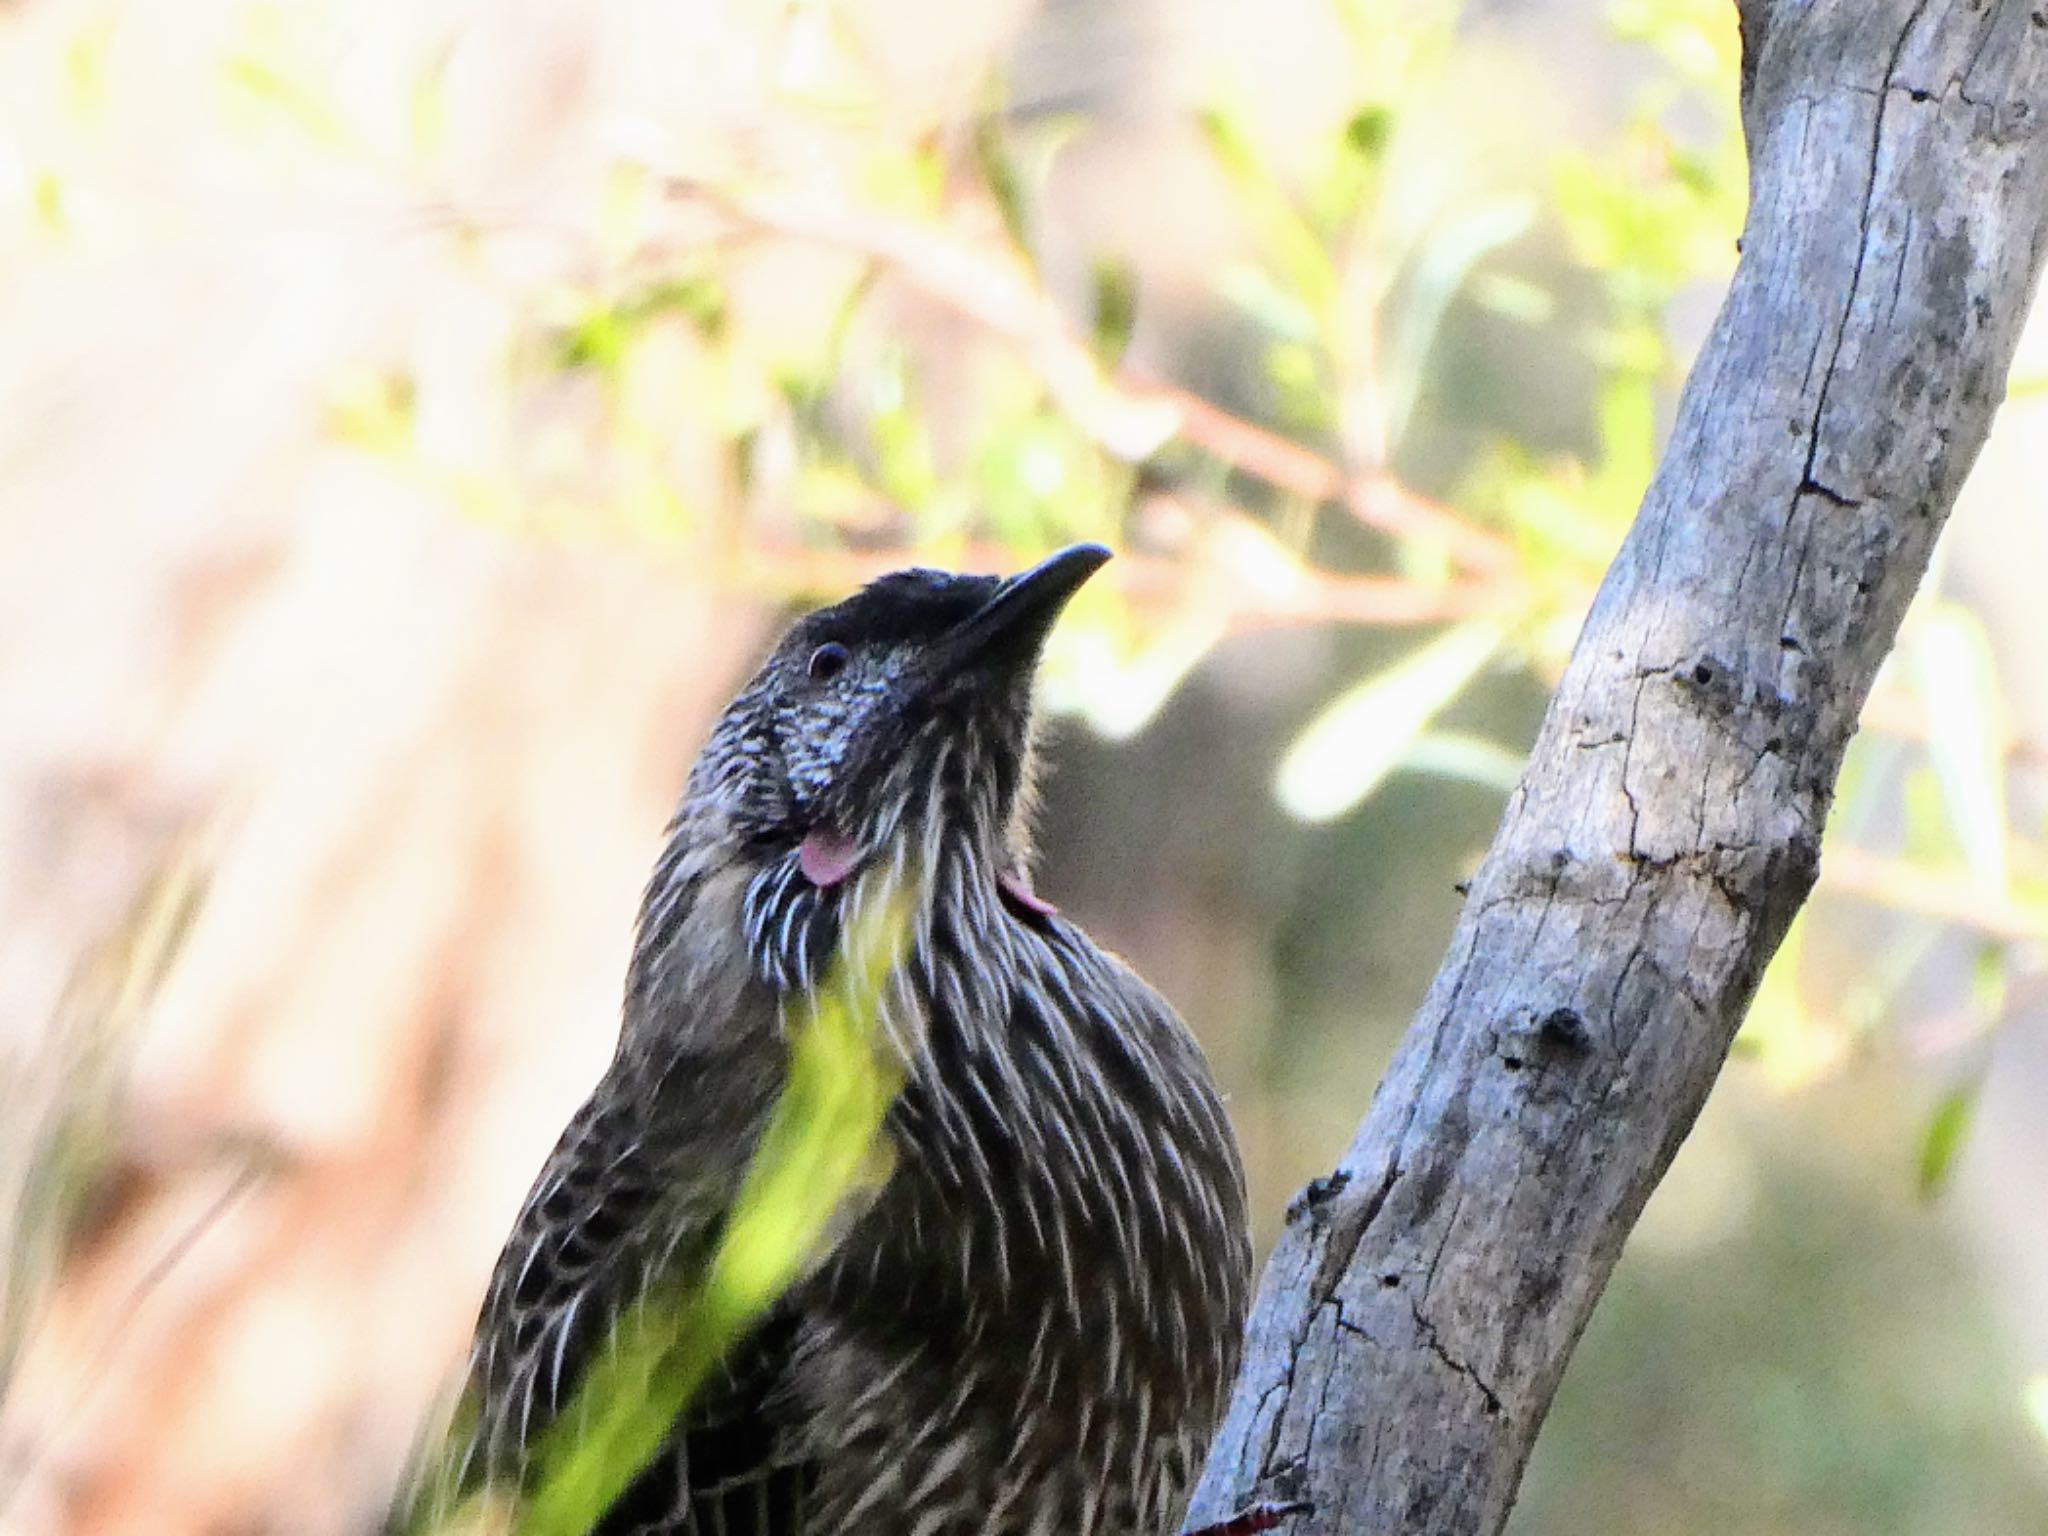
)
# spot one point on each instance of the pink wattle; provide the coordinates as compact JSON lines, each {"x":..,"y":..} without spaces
{"x":826,"y":856}
{"x":1015,"y":888}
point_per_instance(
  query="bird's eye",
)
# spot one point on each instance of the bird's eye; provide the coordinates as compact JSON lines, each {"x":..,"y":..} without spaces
{"x":827,"y":662}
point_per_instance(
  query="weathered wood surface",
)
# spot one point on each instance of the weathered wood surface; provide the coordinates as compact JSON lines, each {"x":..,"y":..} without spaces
{"x":1423,"y":1301}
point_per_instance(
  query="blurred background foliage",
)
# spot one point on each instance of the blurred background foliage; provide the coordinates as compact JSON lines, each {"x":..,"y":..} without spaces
{"x":418,"y":415}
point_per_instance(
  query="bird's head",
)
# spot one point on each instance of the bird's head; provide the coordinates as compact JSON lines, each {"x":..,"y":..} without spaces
{"x":903,"y":712}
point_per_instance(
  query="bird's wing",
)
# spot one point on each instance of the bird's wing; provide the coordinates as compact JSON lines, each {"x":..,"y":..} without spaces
{"x":611,"y":1212}
{"x":578,"y":1255}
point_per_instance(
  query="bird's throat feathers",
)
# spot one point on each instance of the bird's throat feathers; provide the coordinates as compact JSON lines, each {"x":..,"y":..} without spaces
{"x":939,"y":835}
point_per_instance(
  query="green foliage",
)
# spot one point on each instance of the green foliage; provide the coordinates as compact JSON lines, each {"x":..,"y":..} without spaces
{"x":57,"y":1150}
{"x":1946,"y":1131}
{"x":1376,"y":726}
{"x":820,"y":1149}
{"x":880,"y":368}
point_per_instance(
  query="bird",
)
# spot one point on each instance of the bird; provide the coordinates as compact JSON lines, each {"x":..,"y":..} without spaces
{"x":1026,"y":1319}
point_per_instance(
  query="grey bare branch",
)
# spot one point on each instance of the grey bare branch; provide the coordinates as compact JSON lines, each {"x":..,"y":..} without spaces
{"x":1423,"y":1301}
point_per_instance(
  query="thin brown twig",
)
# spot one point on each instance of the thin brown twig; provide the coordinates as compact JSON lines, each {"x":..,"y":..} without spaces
{"x":1906,"y":886}
{"x":94,"y":1375}
{"x":1127,"y":412}
{"x":1376,"y":498}
{"x":1896,"y":714}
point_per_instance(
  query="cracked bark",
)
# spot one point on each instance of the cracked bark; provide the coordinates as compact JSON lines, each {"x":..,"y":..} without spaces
{"x":1421,"y":1305}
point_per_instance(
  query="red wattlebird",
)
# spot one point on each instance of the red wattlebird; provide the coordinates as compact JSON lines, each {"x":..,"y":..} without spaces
{"x":1029,"y":1326}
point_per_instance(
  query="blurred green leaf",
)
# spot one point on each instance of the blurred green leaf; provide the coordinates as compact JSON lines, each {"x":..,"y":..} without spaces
{"x":898,"y":438}
{"x":1427,"y":289}
{"x":1515,"y":298}
{"x":85,"y":67}
{"x":1115,"y":293}
{"x":997,"y":168}
{"x":1296,"y":249}
{"x":373,"y":411}
{"x":1301,"y":389}
{"x":1349,"y":749}
{"x":1990,"y":982}
{"x":1942,"y":1141}
{"x":1367,"y":131}
{"x":1467,"y":758}
{"x":1626,"y":413}
{"x":62,"y":1143}
{"x":596,"y":340}
{"x":1777,"y":1012}
{"x":48,"y":196}
{"x":1255,"y":292}
{"x":1956,"y":677}
{"x":268,"y":83}
{"x":1120,"y":696}
{"x":821,"y":1146}
{"x":427,"y":117}
{"x":1350,"y":181}
{"x":1013,"y":158}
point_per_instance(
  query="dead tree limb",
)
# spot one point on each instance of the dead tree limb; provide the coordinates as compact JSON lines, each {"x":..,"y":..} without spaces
{"x":1422,"y":1303}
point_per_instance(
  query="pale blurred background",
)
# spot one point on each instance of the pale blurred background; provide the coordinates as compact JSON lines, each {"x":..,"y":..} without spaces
{"x":415,"y":417}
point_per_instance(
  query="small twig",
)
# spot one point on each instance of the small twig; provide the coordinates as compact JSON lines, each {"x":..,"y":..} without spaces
{"x":1905,"y":886}
{"x":1376,"y":498}
{"x":1896,"y":714}
{"x":1126,"y":413}
{"x":95,"y":1373}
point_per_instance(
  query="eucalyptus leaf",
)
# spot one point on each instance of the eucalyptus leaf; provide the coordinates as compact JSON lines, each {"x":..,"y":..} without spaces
{"x":1439,"y":270}
{"x":1120,"y":697}
{"x":1465,"y":757}
{"x":1349,"y":749}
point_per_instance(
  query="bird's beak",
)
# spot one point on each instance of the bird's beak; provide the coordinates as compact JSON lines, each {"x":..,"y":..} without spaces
{"x":1013,"y":624}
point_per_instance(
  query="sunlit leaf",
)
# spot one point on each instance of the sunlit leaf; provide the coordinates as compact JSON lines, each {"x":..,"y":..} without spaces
{"x":1514,"y":298}
{"x":1120,"y":695}
{"x":1465,"y":757}
{"x":1350,"y":748}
